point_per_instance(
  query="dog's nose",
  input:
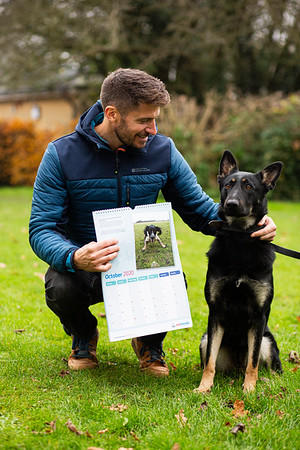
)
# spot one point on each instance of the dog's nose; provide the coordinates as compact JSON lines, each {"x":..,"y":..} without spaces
{"x":232,"y":203}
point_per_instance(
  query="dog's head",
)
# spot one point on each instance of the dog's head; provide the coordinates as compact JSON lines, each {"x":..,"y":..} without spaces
{"x":243,"y":194}
{"x":152,"y":231}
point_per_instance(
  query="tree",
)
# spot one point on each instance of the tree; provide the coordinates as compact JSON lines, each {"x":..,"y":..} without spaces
{"x":192,"y":45}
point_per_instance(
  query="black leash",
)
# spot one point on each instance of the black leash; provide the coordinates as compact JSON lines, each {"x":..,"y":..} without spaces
{"x":286,"y":251}
{"x":222,"y":226}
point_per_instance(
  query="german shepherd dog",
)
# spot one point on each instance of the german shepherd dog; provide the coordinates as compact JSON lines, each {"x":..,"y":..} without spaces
{"x":239,"y":283}
{"x":151,"y":234}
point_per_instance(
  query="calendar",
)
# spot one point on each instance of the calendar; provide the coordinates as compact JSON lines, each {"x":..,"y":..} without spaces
{"x":144,"y":291}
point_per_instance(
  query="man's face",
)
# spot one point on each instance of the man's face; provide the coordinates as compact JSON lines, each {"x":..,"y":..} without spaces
{"x":134,"y":128}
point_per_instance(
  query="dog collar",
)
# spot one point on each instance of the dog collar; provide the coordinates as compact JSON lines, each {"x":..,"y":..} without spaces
{"x":223,"y":227}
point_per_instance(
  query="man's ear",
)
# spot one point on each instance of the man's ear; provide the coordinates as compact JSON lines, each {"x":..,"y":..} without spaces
{"x":228,"y":165}
{"x":112,"y":113}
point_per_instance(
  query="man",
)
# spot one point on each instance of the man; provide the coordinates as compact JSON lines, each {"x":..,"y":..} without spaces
{"x":115,"y":158}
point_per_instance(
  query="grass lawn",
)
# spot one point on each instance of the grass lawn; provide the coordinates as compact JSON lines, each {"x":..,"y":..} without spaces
{"x":115,"y":405}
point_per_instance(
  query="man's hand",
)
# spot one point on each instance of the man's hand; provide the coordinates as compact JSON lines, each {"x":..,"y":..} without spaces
{"x":95,"y":256}
{"x":267,"y":233}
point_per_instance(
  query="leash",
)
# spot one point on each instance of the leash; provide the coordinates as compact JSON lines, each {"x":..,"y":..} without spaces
{"x":286,"y":251}
{"x":219,"y":225}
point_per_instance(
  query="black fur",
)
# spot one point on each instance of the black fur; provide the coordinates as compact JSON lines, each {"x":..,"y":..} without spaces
{"x":151,"y":234}
{"x":239,"y":283}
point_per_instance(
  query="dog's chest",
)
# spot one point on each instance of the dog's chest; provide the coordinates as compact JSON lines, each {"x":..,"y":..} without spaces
{"x":237,"y":292}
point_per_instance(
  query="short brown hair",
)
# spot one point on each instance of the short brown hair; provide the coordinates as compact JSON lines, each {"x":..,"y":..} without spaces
{"x":127,"y":88}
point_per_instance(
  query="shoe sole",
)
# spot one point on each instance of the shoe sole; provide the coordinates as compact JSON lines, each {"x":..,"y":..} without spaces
{"x":148,"y":370}
{"x":82,"y":364}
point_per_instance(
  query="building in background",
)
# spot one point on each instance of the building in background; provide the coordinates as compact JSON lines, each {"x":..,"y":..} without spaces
{"x":48,"y":109}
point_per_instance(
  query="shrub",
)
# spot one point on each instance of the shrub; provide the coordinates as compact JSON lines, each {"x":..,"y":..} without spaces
{"x":22,"y":146}
{"x":258,"y":130}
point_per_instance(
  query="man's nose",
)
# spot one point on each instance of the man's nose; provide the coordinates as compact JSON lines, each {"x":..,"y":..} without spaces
{"x":151,"y":128}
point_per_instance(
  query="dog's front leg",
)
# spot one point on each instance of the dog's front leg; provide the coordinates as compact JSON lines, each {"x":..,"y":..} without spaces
{"x":158,"y":239}
{"x":254,"y":344}
{"x":146,"y":240}
{"x":214,"y":338}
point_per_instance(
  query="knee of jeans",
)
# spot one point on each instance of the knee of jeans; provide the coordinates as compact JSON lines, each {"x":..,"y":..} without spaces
{"x":63,"y":291}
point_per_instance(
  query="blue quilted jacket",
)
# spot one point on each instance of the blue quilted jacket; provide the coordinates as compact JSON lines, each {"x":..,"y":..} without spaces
{"x":79,"y":173}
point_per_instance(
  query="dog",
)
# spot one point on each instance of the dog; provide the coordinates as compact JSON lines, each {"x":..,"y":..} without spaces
{"x":239,"y":282}
{"x":151,"y":234}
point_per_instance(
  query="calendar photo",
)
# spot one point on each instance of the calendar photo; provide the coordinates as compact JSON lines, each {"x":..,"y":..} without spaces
{"x":144,"y":291}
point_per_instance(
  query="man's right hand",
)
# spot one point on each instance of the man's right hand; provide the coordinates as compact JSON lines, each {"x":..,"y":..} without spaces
{"x":95,"y":256}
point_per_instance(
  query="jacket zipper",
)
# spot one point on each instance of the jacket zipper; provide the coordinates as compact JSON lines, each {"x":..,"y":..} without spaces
{"x":117,"y":161}
{"x":127,"y":196}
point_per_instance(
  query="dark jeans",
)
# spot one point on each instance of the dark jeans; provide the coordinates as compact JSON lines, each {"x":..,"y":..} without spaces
{"x":69,"y":296}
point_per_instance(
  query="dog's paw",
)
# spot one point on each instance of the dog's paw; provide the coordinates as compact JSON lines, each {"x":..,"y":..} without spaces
{"x":249,"y":387}
{"x":202,"y":390}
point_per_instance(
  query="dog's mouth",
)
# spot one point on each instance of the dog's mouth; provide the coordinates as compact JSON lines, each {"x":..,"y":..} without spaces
{"x":243,"y":222}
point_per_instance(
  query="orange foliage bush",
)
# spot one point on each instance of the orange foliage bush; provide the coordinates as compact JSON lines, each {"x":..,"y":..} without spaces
{"x":22,"y":146}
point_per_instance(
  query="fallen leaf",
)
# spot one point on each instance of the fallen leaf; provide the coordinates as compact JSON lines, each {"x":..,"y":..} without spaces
{"x":172,"y":365}
{"x":73,"y":428}
{"x":173,"y":350}
{"x":3,"y":266}
{"x":176,"y":446}
{"x":239,"y":410}
{"x":63,"y":372}
{"x":298,"y":318}
{"x":102,"y":431}
{"x":102,"y":315}
{"x":295,"y":369}
{"x":135,"y":436}
{"x":294,"y":357}
{"x":19,"y":330}
{"x":181,"y":419}
{"x":52,"y":426}
{"x":41,"y":276}
{"x":239,"y":427}
{"x":117,"y":407}
{"x":280,"y":414}
{"x":203,"y":406}
{"x":95,"y":448}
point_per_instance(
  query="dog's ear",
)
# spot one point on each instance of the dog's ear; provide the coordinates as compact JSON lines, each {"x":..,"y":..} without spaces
{"x":228,"y":165}
{"x":270,"y":174}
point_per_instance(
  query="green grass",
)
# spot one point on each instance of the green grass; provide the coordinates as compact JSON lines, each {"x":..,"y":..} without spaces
{"x":37,"y":389}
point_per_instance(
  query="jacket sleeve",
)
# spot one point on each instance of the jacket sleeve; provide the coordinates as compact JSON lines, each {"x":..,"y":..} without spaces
{"x":188,"y":199}
{"x":48,"y":221}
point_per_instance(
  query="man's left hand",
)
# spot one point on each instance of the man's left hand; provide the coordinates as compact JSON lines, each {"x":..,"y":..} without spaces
{"x":267,"y":233}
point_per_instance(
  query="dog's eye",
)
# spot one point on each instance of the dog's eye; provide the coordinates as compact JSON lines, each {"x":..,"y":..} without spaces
{"x":248,"y":186}
{"x":227,"y":186}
